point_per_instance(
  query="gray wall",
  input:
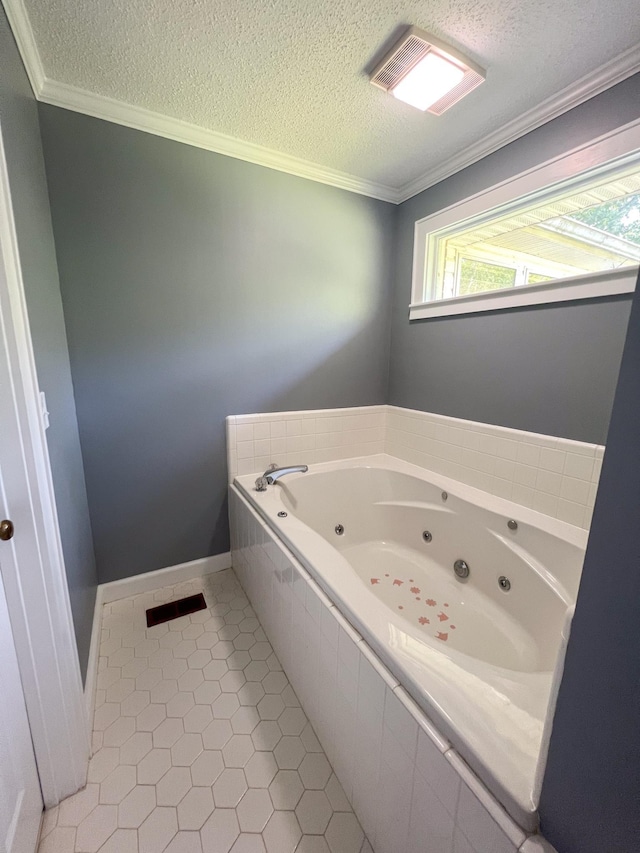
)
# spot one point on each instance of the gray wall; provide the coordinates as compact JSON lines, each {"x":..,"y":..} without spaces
{"x":551,"y":370}
{"x":21,"y":134}
{"x":591,"y":792}
{"x":196,"y":286}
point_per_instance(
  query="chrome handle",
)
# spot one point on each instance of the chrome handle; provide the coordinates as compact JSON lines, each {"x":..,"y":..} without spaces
{"x":6,"y":530}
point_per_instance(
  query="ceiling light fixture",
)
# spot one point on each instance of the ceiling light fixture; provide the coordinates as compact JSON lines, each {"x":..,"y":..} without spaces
{"x":426,"y":73}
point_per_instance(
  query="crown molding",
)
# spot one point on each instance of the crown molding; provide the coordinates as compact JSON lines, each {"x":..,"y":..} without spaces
{"x":623,"y":66}
{"x":99,"y":106}
{"x":109,"y":109}
{"x":23,"y":34}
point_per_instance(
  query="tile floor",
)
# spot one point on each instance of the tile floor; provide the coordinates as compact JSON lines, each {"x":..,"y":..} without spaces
{"x":200,"y":744}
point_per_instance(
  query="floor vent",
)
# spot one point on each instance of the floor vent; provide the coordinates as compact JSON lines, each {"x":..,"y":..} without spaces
{"x":175,"y":609}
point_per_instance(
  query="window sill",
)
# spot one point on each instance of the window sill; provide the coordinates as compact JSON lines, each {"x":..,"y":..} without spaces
{"x":590,"y":286}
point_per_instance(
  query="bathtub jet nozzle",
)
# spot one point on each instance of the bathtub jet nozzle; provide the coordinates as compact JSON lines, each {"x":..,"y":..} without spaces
{"x":461,"y":568}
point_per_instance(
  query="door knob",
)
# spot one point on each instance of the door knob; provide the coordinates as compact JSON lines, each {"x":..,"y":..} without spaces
{"x":6,"y":530}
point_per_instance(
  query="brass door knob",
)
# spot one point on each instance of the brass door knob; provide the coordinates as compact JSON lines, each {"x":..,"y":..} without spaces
{"x":6,"y":530}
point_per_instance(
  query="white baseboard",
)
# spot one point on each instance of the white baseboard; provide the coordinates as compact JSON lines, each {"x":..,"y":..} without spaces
{"x":147,"y":582}
{"x":92,"y":663}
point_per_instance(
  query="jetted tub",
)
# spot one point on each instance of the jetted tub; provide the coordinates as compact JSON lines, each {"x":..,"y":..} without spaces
{"x":481,"y":655}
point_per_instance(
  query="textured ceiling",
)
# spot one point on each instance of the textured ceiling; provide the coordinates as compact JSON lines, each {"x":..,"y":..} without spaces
{"x":291,"y":74}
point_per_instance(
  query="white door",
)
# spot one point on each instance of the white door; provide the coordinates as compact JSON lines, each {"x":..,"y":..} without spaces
{"x":21,"y":801}
{"x":20,"y":798}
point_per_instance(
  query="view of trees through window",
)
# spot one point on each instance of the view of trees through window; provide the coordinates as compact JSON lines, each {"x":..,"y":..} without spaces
{"x":620,"y":217}
{"x":572,"y":235}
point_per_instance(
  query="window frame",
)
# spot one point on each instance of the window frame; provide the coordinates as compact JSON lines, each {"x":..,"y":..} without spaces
{"x":609,"y":153}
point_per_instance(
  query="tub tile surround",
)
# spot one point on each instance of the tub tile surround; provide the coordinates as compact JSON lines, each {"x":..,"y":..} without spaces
{"x":410,"y":790}
{"x":554,"y":476}
{"x":200,"y":744}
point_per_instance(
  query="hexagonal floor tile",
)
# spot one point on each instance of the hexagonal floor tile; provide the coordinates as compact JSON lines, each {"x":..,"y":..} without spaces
{"x":180,"y":704}
{"x":75,"y":809}
{"x":215,"y":670}
{"x":217,"y":734}
{"x":157,"y":830}
{"x":225,"y":706}
{"x":229,"y":788}
{"x":192,"y":679}
{"x":292,"y":721}
{"x":344,"y":834}
{"x":313,"y":844}
{"x":238,"y":751}
{"x":220,"y":831}
{"x":260,"y":769}
{"x":266,"y":735}
{"x":270,"y":707}
{"x":274,"y":682}
{"x":167,"y":733}
{"x":153,"y":766}
{"x":289,"y":753}
{"x":122,"y":841}
{"x":198,"y":718}
{"x":102,"y":763}
{"x":207,"y":767}
{"x":135,"y":749}
{"x":254,"y":810}
{"x":282,"y":833}
{"x":315,"y":770}
{"x":118,"y":784}
{"x":119,"y":731}
{"x":150,"y":717}
{"x":195,"y":808}
{"x":185,"y":751}
{"x":164,"y":690}
{"x":137,"y":806}
{"x":173,"y":786}
{"x":256,"y":670}
{"x":185,"y":842}
{"x":96,"y":828}
{"x":314,"y":812}
{"x":207,"y":693}
{"x":286,"y":789}
{"x":245,"y":720}
{"x":251,"y":693}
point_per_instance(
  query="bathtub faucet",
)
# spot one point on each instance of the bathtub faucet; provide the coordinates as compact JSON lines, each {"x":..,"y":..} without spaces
{"x":273,"y":474}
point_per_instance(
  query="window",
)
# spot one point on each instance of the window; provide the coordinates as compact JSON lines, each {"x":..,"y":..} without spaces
{"x":556,"y":233}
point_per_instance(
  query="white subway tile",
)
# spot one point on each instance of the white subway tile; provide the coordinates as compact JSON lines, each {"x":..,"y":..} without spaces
{"x":245,"y":449}
{"x":480,"y":827}
{"x":505,"y":468}
{"x":261,"y":430}
{"x":400,"y":722}
{"x":482,"y":455}
{"x":545,"y":503}
{"x":552,"y":460}
{"x":575,"y":490}
{"x":548,"y":481}
{"x":529,"y":454}
{"x":523,"y":495}
{"x":570,"y":512}
{"x":580,"y":467}
{"x":245,"y":432}
{"x":429,"y":822}
{"x":278,"y":429}
{"x":262,"y":447}
{"x":526,"y":475}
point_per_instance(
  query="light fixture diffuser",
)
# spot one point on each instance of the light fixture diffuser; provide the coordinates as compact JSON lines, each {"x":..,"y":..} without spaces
{"x":426,"y":73}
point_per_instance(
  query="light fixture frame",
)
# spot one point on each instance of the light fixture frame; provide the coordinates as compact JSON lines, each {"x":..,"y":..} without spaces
{"x":410,"y":49}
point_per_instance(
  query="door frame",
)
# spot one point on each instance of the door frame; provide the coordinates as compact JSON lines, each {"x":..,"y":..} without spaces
{"x":40,"y":611}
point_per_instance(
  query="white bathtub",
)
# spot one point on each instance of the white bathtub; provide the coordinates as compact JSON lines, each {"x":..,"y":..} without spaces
{"x":479,"y":660}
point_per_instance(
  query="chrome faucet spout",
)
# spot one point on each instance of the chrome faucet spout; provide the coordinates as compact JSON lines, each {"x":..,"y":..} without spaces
{"x":273,"y":474}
